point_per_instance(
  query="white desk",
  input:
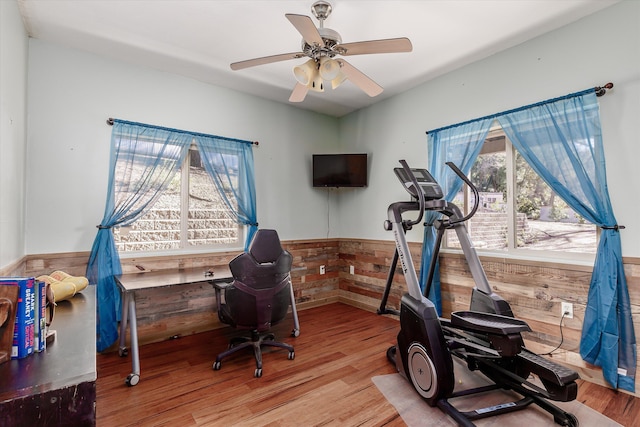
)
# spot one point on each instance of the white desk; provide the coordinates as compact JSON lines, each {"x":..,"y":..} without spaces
{"x":132,"y":282}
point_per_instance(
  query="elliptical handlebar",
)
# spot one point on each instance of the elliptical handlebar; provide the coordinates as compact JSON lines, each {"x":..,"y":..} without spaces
{"x":419,"y":192}
{"x":474,"y":190}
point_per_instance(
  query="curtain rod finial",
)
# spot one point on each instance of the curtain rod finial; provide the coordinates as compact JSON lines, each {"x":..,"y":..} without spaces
{"x":110,"y":121}
{"x":602,"y":90}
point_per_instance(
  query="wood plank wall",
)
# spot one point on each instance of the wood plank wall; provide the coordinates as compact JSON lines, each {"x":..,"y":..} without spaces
{"x":534,"y":289}
{"x":165,"y":313}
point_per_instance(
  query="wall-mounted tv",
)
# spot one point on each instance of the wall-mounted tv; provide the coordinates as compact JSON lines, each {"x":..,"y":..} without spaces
{"x":339,"y":170}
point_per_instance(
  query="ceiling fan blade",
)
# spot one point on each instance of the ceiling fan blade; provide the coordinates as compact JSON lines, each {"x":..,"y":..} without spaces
{"x":306,"y":28}
{"x":361,"y":80}
{"x":402,"y":44}
{"x":265,"y":60}
{"x":299,"y":92}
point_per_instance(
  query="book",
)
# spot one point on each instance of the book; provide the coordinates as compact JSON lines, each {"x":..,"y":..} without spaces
{"x":40,"y":330}
{"x":24,"y":328}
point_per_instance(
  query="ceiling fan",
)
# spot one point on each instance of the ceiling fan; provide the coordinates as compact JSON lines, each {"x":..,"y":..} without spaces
{"x":322,"y":45}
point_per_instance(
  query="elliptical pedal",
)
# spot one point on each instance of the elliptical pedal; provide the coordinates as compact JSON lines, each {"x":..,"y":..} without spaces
{"x":548,"y":369}
{"x":488,"y":323}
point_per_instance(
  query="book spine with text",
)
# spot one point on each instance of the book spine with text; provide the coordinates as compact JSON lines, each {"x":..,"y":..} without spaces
{"x":41,"y":316}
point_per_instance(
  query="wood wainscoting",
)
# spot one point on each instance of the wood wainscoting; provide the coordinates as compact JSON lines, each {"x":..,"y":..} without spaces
{"x":534,"y":289}
{"x":167,"y":313}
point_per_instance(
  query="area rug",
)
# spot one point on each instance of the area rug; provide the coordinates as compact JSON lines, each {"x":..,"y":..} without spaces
{"x":415,"y":411}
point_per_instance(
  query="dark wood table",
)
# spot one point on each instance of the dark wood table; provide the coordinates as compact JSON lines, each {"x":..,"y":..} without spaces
{"x":56,"y":386}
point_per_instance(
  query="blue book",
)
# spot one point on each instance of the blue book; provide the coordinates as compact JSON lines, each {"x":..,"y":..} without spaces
{"x":24,"y":330}
{"x":41,"y":316}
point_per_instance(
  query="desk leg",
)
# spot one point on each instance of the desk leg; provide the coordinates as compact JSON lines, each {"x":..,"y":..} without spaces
{"x":122,"y":350}
{"x":296,"y":324}
{"x":134,"y":377}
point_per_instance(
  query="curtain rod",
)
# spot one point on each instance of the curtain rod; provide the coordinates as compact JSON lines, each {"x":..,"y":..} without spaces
{"x":599,"y":90}
{"x":111,"y":121}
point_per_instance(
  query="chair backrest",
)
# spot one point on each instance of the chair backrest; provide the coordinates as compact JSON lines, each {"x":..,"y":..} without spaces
{"x":259,"y":296}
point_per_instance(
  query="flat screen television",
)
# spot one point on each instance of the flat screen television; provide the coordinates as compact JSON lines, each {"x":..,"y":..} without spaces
{"x":339,"y":170}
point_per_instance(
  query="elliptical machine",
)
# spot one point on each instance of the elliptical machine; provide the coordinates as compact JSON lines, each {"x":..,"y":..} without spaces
{"x":487,"y":337}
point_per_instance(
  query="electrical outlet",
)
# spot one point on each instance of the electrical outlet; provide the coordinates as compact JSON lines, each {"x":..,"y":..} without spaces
{"x":352,"y":270}
{"x":322,"y":270}
{"x":566,"y":308}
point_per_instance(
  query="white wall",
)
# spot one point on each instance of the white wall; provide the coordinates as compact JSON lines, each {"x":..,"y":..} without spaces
{"x":593,"y":51}
{"x":72,"y":93}
{"x":13,"y":131}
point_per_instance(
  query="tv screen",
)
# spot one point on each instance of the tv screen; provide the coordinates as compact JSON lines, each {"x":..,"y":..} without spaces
{"x":339,"y":170}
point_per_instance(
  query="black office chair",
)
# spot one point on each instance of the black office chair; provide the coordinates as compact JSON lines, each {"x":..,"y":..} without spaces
{"x":258,"y":297}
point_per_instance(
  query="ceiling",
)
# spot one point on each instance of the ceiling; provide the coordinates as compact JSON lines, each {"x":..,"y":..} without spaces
{"x":200,"y":38}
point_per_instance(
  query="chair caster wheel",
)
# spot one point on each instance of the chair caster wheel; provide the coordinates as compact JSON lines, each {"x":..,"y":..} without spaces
{"x":216,"y":366}
{"x":569,"y":421}
{"x":295,"y":333}
{"x":132,"y":380}
{"x":291,"y":355}
{"x":258,"y":373}
{"x":123,"y":351}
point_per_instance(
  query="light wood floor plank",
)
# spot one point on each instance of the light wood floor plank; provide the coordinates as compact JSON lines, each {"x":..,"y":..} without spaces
{"x":328,"y":383}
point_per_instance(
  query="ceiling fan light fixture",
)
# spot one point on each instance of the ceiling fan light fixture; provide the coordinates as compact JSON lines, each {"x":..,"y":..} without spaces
{"x":317,"y":83}
{"x":329,"y":68}
{"x":306,"y":72}
{"x":338,"y":80}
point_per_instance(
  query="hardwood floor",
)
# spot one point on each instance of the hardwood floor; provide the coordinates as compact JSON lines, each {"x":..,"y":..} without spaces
{"x":328,"y":383}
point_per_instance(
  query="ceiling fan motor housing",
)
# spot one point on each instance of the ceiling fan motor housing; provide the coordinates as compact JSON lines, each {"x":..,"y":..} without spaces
{"x":331,"y":39}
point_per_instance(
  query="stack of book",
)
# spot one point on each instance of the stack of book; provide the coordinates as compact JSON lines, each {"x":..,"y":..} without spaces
{"x":30,"y":329}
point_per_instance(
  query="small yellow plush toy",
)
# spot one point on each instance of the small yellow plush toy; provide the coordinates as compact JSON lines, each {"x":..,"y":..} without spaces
{"x":63,"y":285}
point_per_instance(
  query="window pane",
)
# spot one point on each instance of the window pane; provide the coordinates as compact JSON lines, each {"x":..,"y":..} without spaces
{"x":159,"y":228}
{"x":549,"y":223}
{"x":539,"y":220}
{"x":488,"y":227}
{"x":210,"y":221}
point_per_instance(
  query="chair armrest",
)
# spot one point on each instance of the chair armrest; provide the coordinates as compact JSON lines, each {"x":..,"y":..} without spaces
{"x":219,"y":287}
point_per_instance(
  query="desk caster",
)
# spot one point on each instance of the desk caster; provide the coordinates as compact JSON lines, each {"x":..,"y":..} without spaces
{"x":123,"y":351}
{"x":132,"y":380}
{"x":295,"y":333}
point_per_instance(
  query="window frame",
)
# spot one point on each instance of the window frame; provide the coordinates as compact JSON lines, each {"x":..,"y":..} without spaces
{"x":184,"y":246}
{"x":512,"y":251}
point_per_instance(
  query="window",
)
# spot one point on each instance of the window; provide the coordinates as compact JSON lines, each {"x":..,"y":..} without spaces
{"x":517,"y":209}
{"x":189,"y":214}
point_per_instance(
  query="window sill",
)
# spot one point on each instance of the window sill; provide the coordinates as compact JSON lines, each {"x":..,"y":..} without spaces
{"x":576,"y":259}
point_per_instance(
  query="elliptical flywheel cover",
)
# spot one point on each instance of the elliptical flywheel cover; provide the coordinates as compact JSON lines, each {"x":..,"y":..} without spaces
{"x":422,"y":371}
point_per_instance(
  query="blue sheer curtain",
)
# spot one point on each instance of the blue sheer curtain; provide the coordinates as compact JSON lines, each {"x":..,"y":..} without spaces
{"x":143,"y":161}
{"x":562,"y":141}
{"x":461,"y":145}
{"x":230,"y":165}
